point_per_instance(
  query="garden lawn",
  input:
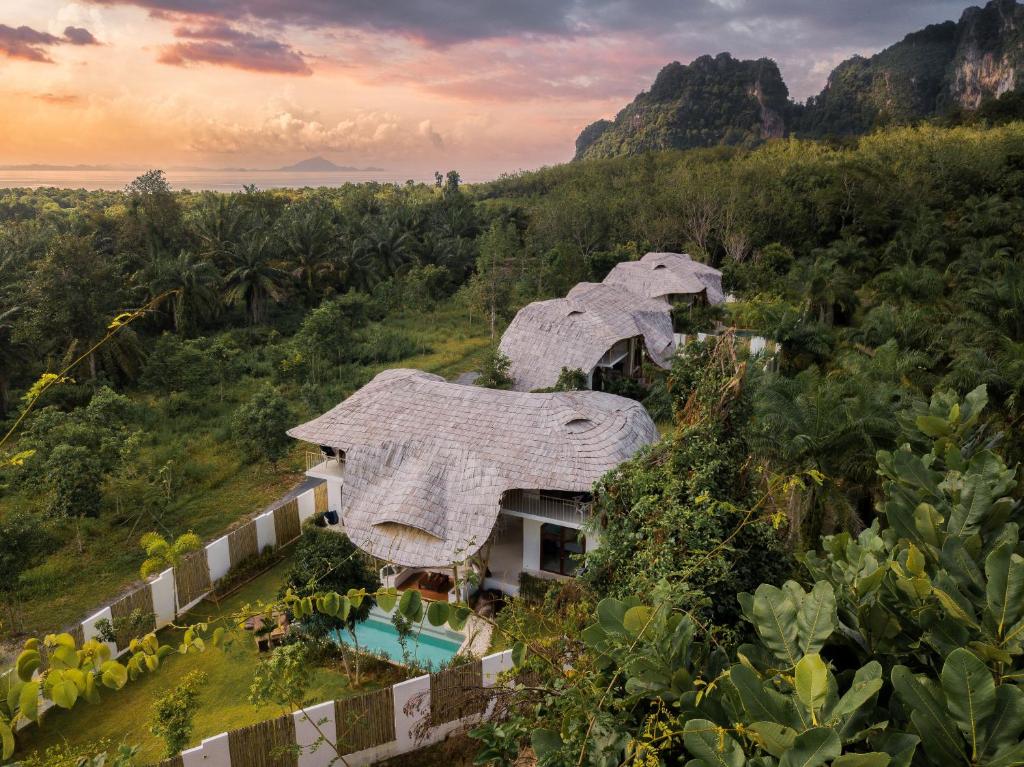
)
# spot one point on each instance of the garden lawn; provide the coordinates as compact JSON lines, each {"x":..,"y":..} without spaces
{"x":123,"y":715}
{"x":211,"y":485}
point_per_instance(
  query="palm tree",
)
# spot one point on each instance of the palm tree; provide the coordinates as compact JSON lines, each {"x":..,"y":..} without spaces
{"x":308,"y":237}
{"x":384,"y":246}
{"x":827,"y":287}
{"x":13,"y":355}
{"x":192,"y":282}
{"x":218,"y":224}
{"x":254,"y":280}
{"x":827,"y":429}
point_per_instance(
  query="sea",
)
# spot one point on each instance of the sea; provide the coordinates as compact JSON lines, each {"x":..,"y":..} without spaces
{"x":201,"y":180}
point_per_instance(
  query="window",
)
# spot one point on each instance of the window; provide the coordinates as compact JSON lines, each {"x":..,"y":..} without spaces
{"x":561,"y":549}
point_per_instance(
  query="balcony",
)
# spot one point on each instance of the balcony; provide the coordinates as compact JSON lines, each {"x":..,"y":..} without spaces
{"x":320,"y":466}
{"x":564,"y":509}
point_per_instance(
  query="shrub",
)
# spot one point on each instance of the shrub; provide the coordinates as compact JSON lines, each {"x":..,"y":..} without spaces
{"x":259,"y":426}
{"x":494,"y":370}
{"x":172,"y":713}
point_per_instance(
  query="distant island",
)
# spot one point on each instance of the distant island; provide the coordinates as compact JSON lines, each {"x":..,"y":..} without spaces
{"x":320,"y":164}
{"x":316,"y":164}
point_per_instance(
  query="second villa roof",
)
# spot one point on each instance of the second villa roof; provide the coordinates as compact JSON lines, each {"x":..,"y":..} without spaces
{"x":576,"y":331}
{"x":427,"y":461}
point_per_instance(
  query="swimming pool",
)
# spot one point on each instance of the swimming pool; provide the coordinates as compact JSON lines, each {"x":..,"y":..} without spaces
{"x":429,"y":645}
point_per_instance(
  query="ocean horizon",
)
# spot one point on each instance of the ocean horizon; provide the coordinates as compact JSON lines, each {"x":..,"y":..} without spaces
{"x":202,"y":180}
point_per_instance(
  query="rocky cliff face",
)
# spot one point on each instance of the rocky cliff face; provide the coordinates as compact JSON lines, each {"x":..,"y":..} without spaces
{"x":723,"y":100}
{"x":989,"y":58}
{"x":713,"y":100}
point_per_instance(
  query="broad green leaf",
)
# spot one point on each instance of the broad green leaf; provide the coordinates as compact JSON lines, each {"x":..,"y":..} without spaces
{"x":12,"y":690}
{"x":873,"y":759}
{"x":637,"y":619}
{"x":774,"y":738}
{"x":1004,"y":727}
{"x":953,"y":607}
{"x":386,"y":599}
{"x":812,"y":748}
{"x":980,"y":488}
{"x":28,"y":701}
{"x":62,"y":690}
{"x":113,"y":675}
{"x":437,"y":613}
{"x":545,"y":742}
{"x":610,"y":614}
{"x":775,"y":618}
{"x":812,"y":683}
{"x":26,"y":664}
{"x":1010,"y":756}
{"x":6,"y":741}
{"x":63,"y":656}
{"x":928,"y":713}
{"x":1005,"y":591}
{"x":934,"y":426}
{"x":817,"y":618}
{"x":91,"y":692}
{"x":457,"y":617}
{"x":866,"y":683}
{"x":970,"y":694}
{"x":411,"y":605}
{"x":61,"y":640}
{"x":707,"y":741}
{"x":760,"y":701}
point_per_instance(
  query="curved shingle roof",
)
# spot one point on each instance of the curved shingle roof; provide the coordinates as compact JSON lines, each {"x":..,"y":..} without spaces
{"x":427,"y":461}
{"x":576,"y":331}
{"x":658,"y":275}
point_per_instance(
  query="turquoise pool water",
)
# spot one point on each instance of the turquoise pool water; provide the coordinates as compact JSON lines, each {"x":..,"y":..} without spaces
{"x":378,"y":636}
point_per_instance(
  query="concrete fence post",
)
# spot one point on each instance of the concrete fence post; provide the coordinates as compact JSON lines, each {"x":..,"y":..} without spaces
{"x":265,"y":533}
{"x":218,"y":557}
{"x":412,"y":706}
{"x":307,"y":505}
{"x":306,"y":735}
{"x":162,"y":589}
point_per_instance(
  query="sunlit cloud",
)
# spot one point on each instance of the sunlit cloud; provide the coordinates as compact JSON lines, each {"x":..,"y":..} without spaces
{"x":32,"y":45}
{"x":223,"y":45}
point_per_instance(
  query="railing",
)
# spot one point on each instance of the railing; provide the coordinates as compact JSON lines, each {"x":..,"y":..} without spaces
{"x":324,"y":464}
{"x":555,"y":508}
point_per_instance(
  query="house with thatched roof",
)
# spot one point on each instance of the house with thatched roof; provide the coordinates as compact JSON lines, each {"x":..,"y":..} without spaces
{"x":673,"y":278}
{"x":603,"y":330}
{"x":428,"y":475}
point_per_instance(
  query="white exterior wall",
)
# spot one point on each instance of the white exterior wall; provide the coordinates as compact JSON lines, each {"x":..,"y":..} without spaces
{"x":265,"y":533}
{"x":89,"y":628}
{"x":307,"y":505}
{"x":162,"y":589}
{"x":306,"y":735}
{"x":334,"y":495}
{"x":213,"y":752}
{"x":218,"y":557}
{"x":531,"y":544}
{"x":412,"y":703}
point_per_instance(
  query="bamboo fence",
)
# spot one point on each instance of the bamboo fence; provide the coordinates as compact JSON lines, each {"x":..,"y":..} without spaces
{"x":365,"y":721}
{"x":266,"y":744}
{"x":286,"y":522}
{"x":456,"y":693}
{"x":243,"y":544}
{"x":141,"y":600}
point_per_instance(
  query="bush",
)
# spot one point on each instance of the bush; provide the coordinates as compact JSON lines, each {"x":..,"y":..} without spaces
{"x":494,"y":371}
{"x":260,"y":424}
{"x":172,"y":713}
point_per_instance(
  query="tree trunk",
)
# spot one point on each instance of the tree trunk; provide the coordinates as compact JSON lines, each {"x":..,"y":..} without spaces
{"x":78,"y":535}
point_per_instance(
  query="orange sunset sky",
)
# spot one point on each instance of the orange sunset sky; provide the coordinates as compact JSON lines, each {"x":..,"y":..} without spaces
{"x":481,"y":86}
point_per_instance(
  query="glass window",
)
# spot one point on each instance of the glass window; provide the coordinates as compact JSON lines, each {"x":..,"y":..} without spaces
{"x":561,"y":549}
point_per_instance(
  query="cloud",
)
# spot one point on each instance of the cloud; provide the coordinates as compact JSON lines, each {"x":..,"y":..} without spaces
{"x":79,"y":36}
{"x":57,"y":98}
{"x":369,"y":134}
{"x":223,"y":45}
{"x":31,"y":45}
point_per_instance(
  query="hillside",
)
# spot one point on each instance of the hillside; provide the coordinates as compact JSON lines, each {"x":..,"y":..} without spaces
{"x":710,"y":101}
{"x":931,"y":72}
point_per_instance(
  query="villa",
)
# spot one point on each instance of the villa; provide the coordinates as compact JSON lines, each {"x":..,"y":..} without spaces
{"x":674,"y":279}
{"x":602,"y":330}
{"x":431,"y":476}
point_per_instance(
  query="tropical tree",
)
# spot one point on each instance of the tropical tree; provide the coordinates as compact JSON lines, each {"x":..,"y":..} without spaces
{"x":218,"y":224}
{"x":13,"y":355}
{"x":308,"y":240}
{"x":254,"y":280}
{"x":191,"y":282}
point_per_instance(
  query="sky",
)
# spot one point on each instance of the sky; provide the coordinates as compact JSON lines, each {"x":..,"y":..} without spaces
{"x":482,"y":86}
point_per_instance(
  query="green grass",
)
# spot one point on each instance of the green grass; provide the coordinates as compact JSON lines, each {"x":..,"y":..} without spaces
{"x":212,"y":486}
{"x":123,"y":715}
